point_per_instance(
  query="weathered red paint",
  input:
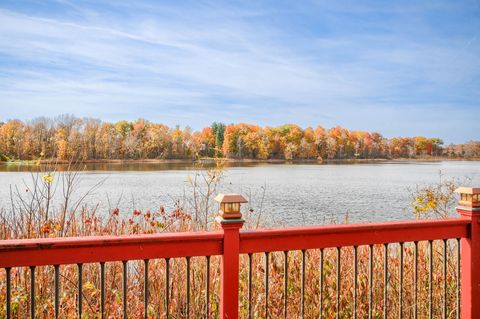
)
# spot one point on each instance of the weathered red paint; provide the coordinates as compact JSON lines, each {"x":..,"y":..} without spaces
{"x":470,"y":282}
{"x":230,"y":268}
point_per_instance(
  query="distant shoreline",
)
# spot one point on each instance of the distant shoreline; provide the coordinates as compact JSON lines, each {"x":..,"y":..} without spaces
{"x":237,"y":161}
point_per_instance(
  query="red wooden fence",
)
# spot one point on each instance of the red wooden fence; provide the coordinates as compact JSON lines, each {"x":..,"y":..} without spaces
{"x":230,"y":242}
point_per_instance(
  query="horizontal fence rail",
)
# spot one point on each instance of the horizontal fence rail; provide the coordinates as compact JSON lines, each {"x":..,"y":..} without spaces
{"x":411,"y":269}
{"x":299,"y":238}
{"x":74,"y":250}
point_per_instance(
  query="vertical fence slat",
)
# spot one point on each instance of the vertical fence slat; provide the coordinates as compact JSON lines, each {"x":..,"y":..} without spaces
{"x":415,"y":279}
{"x":444,"y":310}
{"x":167,"y":288}
{"x":207,"y":288}
{"x":430,"y":279}
{"x":385,"y":280}
{"x":320,"y":283}
{"x":80,"y":290}
{"x":32,"y":292}
{"x":302,"y":301}
{"x":458,"y":280}
{"x":56,"y":297}
{"x":266,"y":283}
{"x":145,"y":288}
{"x":124,"y":288}
{"x":338,"y":281}
{"x":285,"y":283}
{"x":102,"y":290}
{"x":187,"y":310}
{"x":8,"y":292}
{"x":400,"y":279}
{"x":250,"y":285}
{"x":355,"y":275}
{"x":370,"y":282}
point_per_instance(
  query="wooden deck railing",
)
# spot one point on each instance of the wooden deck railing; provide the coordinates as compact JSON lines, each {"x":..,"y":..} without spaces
{"x":230,"y":243}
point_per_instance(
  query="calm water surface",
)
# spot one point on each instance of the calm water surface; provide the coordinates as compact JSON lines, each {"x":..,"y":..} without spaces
{"x":294,"y":194}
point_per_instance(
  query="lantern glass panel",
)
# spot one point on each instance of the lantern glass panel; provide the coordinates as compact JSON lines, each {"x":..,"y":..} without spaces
{"x":228,"y":208}
{"x":236,"y":207}
{"x":469,"y":197}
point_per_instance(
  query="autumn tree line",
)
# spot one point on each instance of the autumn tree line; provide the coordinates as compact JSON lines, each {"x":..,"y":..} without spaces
{"x":67,"y":137}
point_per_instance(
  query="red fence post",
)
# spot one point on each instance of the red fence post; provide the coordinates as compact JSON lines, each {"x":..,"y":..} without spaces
{"x":470,"y":253}
{"x":231,"y":221}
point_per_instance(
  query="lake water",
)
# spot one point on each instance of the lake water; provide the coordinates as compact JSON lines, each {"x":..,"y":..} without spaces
{"x":293,"y":194}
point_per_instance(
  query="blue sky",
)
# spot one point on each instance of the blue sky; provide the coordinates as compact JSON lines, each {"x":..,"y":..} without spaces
{"x":396,"y":67}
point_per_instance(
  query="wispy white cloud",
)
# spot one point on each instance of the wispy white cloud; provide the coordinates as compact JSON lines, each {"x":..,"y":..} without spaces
{"x":326,"y":63}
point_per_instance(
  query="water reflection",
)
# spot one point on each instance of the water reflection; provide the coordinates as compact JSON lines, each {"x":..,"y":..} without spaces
{"x":174,"y":165}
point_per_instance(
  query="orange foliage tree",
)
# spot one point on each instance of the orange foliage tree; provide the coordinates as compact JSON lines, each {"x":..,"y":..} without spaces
{"x":67,"y":137}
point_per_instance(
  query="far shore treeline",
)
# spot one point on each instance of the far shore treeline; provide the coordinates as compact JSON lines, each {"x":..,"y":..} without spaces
{"x":67,"y":137}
